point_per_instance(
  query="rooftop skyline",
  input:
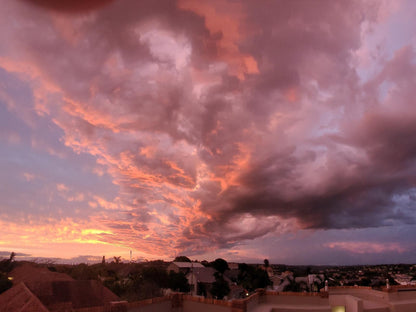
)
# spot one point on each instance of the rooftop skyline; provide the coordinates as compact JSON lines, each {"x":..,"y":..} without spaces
{"x":236,"y":129}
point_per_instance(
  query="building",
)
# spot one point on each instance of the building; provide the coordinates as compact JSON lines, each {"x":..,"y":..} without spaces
{"x":201,"y":279}
{"x":184,"y":267}
{"x":38,"y":289}
{"x":337,"y":299}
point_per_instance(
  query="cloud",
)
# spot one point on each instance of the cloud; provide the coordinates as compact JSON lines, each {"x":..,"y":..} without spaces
{"x":367,"y":247}
{"x":69,"y":6}
{"x":6,"y":254}
{"x":217,"y":123}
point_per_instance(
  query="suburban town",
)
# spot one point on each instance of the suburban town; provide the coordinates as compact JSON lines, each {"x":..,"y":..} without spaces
{"x":187,"y":285}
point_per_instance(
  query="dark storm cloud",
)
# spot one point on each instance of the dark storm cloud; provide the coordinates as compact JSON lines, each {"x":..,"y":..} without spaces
{"x":70,"y":6}
{"x":369,"y":163}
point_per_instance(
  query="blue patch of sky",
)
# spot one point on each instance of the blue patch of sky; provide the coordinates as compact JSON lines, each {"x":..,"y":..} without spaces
{"x":47,"y":163}
{"x":387,"y":38}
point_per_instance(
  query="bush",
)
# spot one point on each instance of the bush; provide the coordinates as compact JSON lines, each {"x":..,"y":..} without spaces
{"x":5,"y":283}
{"x":220,"y":287}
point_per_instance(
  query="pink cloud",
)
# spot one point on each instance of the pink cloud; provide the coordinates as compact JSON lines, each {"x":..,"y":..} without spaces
{"x":219,"y":121}
{"x":367,"y":247}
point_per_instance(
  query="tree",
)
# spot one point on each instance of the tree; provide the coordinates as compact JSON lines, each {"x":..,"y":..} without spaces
{"x":252,"y":278}
{"x":12,"y":256}
{"x":5,"y":283}
{"x":155,"y":274}
{"x":148,"y":282}
{"x":182,"y":259}
{"x":178,"y":282}
{"x":82,"y":271}
{"x":266,"y":263}
{"x":6,"y":265}
{"x":117,"y":260}
{"x":220,"y":287}
{"x":220,"y":265}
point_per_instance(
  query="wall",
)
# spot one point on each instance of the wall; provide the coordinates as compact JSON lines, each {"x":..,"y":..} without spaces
{"x":403,"y":301}
{"x":191,"y":306}
{"x":402,"y":295}
{"x":351,"y":303}
{"x":360,"y":292}
{"x":253,"y":301}
{"x":297,"y":298}
{"x":164,"y":306}
{"x":151,"y":305}
{"x":354,"y":299}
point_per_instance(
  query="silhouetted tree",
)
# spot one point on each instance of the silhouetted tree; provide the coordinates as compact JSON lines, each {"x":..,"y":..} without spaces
{"x":182,"y":259}
{"x":146,"y":283}
{"x":6,"y":265}
{"x":220,"y":287}
{"x":82,"y":271}
{"x":178,"y":282}
{"x":266,"y":263}
{"x":252,"y":278}
{"x":5,"y":283}
{"x":157,"y":275}
{"x":12,"y":256}
{"x":220,"y":265}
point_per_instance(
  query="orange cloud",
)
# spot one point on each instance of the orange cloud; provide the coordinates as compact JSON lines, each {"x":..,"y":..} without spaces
{"x":291,"y":95}
{"x":225,"y":20}
{"x":70,"y":237}
{"x":29,"y":176}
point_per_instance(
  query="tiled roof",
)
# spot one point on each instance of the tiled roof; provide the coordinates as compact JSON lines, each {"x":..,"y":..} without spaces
{"x":28,"y":273}
{"x":35,"y":285}
{"x":20,"y":299}
{"x":79,"y":294}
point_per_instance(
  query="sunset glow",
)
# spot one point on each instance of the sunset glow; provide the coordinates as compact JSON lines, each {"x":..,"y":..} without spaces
{"x":236,"y":129}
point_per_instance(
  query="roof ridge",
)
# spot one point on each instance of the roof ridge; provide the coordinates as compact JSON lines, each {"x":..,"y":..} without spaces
{"x":33,"y":297}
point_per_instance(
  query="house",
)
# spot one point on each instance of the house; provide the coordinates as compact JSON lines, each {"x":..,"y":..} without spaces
{"x":38,"y":289}
{"x":404,"y":279}
{"x":184,"y":267}
{"x":201,"y":279}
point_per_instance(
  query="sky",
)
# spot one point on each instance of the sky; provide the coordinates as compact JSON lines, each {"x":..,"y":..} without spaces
{"x":224,"y":128}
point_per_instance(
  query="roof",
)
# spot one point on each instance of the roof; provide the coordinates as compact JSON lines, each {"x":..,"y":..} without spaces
{"x":77,"y":294}
{"x":52,"y":291}
{"x":203,"y":275}
{"x":28,"y":272}
{"x":19,"y":299}
{"x":188,"y":264}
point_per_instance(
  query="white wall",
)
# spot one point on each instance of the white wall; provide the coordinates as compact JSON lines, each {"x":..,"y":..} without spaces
{"x":192,"y":306}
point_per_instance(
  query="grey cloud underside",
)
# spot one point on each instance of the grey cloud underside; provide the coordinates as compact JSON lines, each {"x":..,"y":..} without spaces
{"x":365,"y":200}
